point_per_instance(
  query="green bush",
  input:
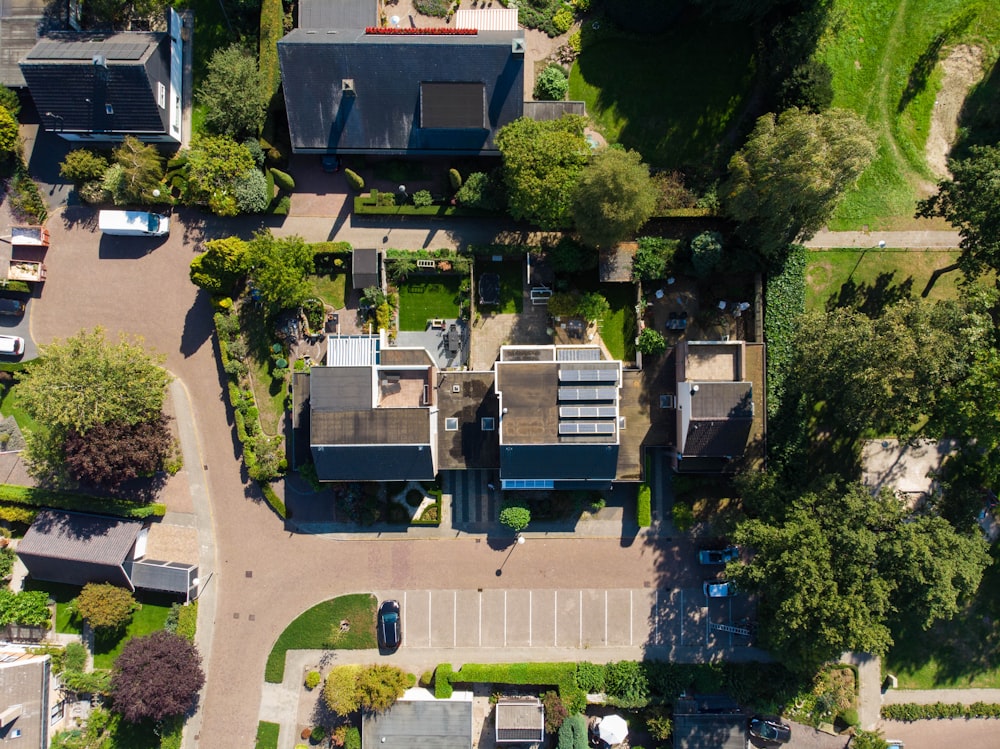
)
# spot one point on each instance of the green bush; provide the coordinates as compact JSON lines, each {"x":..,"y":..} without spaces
{"x":651,"y":342}
{"x":590,"y":677}
{"x":91,"y":682}
{"x":313,"y":680}
{"x":454,"y":179}
{"x":422,"y":198}
{"x":250,"y":191}
{"x":354,"y":180}
{"x":442,"y":681}
{"x":683,"y":516}
{"x":515,"y":514}
{"x":784,"y":302}
{"x":552,"y":84}
{"x":909,"y":712}
{"x":483,"y":191}
{"x":573,"y":733}
{"x":16,"y":287}
{"x":317,"y":735}
{"x":706,"y":253}
{"x":82,"y":165}
{"x":7,"y":558}
{"x":436,"y":8}
{"x":562,"y":675}
{"x":283,"y":180}
{"x":24,"y":199}
{"x":644,"y":514}
{"x":37,"y":497}
{"x":626,"y":685}
{"x":653,"y":259}
{"x":29,"y":608}
{"x":281,"y":206}
{"x":353,"y":738}
{"x":562,"y":20}
{"x":75,"y":657}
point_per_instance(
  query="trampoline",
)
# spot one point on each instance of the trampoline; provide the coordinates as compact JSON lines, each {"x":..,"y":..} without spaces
{"x":489,"y":289}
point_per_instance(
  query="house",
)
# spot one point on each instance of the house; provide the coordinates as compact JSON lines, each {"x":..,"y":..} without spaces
{"x":373,"y":412}
{"x":77,"y":548}
{"x":352,"y":87}
{"x":28,"y":702}
{"x":418,"y":721}
{"x":520,"y":720}
{"x":19,"y":27}
{"x":102,"y":87}
{"x":718,"y":408}
{"x":559,"y":424}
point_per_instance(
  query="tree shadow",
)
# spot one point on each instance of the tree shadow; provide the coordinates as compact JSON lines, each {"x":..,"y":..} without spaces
{"x":921,"y":71}
{"x":871,"y":298}
{"x":979,"y":118}
{"x":935,"y":276}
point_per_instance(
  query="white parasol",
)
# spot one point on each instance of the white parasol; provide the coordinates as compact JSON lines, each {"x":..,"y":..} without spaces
{"x":613,"y":729}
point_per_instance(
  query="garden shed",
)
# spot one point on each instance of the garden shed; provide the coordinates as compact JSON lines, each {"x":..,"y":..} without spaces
{"x":418,"y":721}
{"x":520,"y":720}
{"x":364,"y":268}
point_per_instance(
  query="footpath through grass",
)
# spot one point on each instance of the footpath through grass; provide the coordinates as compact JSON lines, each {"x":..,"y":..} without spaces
{"x":319,"y":628}
{"x":672,"y":97}
{"x":884,"y":55}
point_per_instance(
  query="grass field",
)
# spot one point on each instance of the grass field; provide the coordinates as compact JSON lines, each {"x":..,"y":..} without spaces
{"x":884,"y":56}
{"x":10,"y":404}
{"x":267,"y":735}
{"x":331,"y":289}
{"x":62,"y":595}
{"x":618,"y":329}
{"x":511,"y":287}
{"x":870,"y":278}
{"x":672,"y":97}
{"x":319,"y":629}
{"x":150,"y":618}
{"x":423,"y":298}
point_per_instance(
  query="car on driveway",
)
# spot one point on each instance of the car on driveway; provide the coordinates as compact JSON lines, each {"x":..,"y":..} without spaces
{"x":770,"y":729}
{"x":11,"y":345}
{"x":719,"y":588}
{"x":718,"y":556}
{"x":389,"y":629}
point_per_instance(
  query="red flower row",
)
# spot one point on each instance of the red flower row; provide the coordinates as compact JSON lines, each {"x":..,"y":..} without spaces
{"x":434,"y":31}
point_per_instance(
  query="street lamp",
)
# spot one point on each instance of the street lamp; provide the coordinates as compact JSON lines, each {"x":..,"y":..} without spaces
{"x":402,"y":191}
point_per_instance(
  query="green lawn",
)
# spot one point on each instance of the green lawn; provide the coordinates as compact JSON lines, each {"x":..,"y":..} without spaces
{"x":331,"y":289}
{"x":267,"y":735}
{"x":883,"y":54}
{"x":870,"y":279}
{"x":150,"y":618}
{"x":10,"y":404}
{"x":319,"y":629}
{"x":511,"y":274}
{"x":618,"y":330}
{"x":672,"y":97}
{"x":423,"y":298}
{"x":269,"y":392}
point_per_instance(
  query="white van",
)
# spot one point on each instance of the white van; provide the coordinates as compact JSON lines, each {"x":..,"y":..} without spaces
{"x":11,"y":345}
{"x":134,"y":223}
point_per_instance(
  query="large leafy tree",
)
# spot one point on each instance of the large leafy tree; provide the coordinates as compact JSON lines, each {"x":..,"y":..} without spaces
{"x":115,"y":452}
{"x":614,"y":197}
{"x":836,"y":568}
{"x":141,"y":171}
{"x":156,"y":677}
{"x":969,"y":201}
{"x":278,"y":269}
{"x":542,"y":161}
{"x":786,"y":180}
{"x":214,"y":164}
{"x":221,"y":266}
{"x":106,"y":606}
{"x":232,"y":93}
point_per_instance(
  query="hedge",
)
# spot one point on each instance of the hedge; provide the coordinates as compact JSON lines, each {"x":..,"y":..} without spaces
{"x":909,"y":711}
{"x":686,"y":213}
{"x":442,"y":681}
{"x":644,"y":512}
{"x":562,"y":675}
{"x":506,"y":250}
{"x":272,"y":18}
{"x":17,"y":287}
{"x":274,"y":500}
{"x":355,"y":181}
{"x":364,"y":205}
{"x":784,"y":302}
{"x":187,"y":621}
{"x":436,"y":493}
{"x":283,"y":180}
{"x":172,"y":732}
{"x":11,"y":494}
{"x":573,"y":733}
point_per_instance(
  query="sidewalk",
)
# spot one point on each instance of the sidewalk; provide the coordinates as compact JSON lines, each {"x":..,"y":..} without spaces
{"x":930,"y":696}
{"x":923,"y":240}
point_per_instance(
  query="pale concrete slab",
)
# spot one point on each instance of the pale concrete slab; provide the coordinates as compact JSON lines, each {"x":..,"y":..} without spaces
{"x":569,"y":615}
{"x":593,"y":623}
{"x":543,"y":618}
{"x":619,"y":618}
{"x":444,"y":618}
{"x":469,"y":608}
{"x":494,"y":621}
{"x":519,"y":604}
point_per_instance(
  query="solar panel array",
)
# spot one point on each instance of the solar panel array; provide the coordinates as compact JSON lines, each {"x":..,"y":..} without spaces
{"x":88,"y":50}
{"x":586,"y":427}
{"x":578,"y":353}
{"x":587,"y":394}
{"x":587,"y":412}
{"x":587,"y":375}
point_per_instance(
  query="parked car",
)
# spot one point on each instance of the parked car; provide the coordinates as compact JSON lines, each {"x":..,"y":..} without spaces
{"x":770,"y":728}
{"x":718,"y":556}
{"x":11,"y":307}
{"x":389,"y":631}
{"x":11,"y":345}
{"x":719,"y":588}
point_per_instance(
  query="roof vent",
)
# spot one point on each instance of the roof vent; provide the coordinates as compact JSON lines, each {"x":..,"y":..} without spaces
{"x":517,"y":46}
{"x":347,"y":86}
{"x":100,"y":61}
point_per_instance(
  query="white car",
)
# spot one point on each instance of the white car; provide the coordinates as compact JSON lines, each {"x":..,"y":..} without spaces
{"x":11,"y":345}
{"x":719,"y":589}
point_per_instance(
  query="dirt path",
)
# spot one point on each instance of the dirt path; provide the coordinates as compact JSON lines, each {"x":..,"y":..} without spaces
{"x":963,"y":67}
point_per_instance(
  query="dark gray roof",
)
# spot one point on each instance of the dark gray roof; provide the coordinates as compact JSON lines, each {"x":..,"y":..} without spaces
{"x":710,"y":731}
{"x":423,"y":724}
{"x":470,"y":446}
{"x":520,"y":720}
{"x":388,"y":72}
{"x":337,"y":14}
{"x":376,"y":426}
{"x":722,"y":400}
{"x":453,"y":105}
{"x":559,"y":462}
{"x":364,"y":268}
{"x":334,"y":389}
{"x":716,"y":437}
{"x":154,"y":574}
{"x":374,"y":463}
{"x":77,"y":548}
{"x":20,"y":23}
{"x":75,"y":94}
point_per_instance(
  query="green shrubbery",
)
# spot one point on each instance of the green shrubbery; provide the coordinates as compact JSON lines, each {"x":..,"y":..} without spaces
{"x":562,"y":675}
{"x":784,"y":302}
{"x":354,"y":180}
{"x":30,"y":496}
{"x":909,"y":711}
{"x":483,"y":191}
{"x":552,"y":84}
{"x":454,"y":179}
{"x":573,"y":733}
{"x":644,"y":512}
{"x":442,"y":681}
{"x":283,"y":180}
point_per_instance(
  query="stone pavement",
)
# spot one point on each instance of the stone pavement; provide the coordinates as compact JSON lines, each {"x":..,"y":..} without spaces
{"x":926,"y":239}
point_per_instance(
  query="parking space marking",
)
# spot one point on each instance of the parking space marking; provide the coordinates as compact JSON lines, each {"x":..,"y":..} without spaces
{"x":656,"y":619}
{"x":530,"y":614}
{"x":430,"y":607}
{"x":631,"y":617}
{"x":681,"y":617}
{"x":505,"y":618}
{"x":454,"y":620}
{"x":605,"y":617}
{"x":555,"y":618}
{"x":581,"y":618}
{"x":480,"y":618}
{"x":405,"y":609}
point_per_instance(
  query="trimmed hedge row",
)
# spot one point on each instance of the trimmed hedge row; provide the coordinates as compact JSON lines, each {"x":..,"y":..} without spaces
{"x":442,"y":681}
{"x":364,"y":205}
{"x":436,"y":493}
{"x":271,"y":30}
{"x":910,"y":711}
{"x":784,"y":301}
{"x":644,"y":510}
{"x":562,"y":675}
{"x":30,"y":496}
{"x":274,"y":500}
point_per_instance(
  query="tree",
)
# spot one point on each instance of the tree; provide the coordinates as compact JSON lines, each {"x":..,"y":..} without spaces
{"x":232,"y":93}
{"x":250,"y":191}
{"x":831,"y":569}
{"x":351,"y":688}
{"x":542,"y":161}
{"x":552,"y":84}
{"x":87,"y":380}
{"x":481,"y":190}
{"x":706,"y":253}
{"x":593,"y":306}
{"x":82,"y":165}
{"x":10,"y":101}
{"x":10,"y":135}
{"x":221,"y":267}
{"x":214,"y":164}
{"x":278,"y":269}
{"x":112,"y":453}
{"x":651,"y":342}
{"x":515,"y":515}
{"x":570,"y":257}
{"x":653,"y":258}
{"x":156,"y":677}
{"x":105,"y":606}
{"x":969,"y":201}
{"x":869,"y":740}
{"x":613,"y":198}
{"x":142,"y":171}
{"x":340,"y":691}
{"x":786,"y":180}
{"x":809,"y":87}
